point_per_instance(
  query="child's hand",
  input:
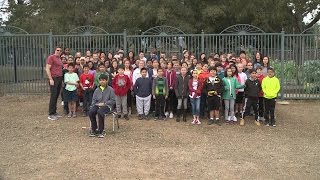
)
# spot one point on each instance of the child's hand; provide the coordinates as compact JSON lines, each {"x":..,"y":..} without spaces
{"x":166,"y":97}
{"x":154,"y":97}
{"x":100,"y":104}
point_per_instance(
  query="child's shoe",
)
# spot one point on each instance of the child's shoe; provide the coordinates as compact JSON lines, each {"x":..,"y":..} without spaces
{"x":70,"y":115}
{"x":171,"y":115}
{"x":126,"y":117}
{"x":166,"y":114}
{"x":257,"y":122}
{"x":74,"y":115}
{"x":241,"y":122}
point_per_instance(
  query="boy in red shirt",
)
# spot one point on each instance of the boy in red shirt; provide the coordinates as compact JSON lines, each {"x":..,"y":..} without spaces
{"x":86,"y":84}
{"x":121,"y":84}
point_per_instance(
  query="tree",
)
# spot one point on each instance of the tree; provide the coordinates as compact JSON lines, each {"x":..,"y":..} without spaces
{"x":191,"y":16}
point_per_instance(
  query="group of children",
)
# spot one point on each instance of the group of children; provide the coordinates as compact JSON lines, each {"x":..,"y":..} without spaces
{"x":163,"y":87}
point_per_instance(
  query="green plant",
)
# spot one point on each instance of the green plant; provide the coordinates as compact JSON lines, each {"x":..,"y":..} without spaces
{"x":311,"y":76}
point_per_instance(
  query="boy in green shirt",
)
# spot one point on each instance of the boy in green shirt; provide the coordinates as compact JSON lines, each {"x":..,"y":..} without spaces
{"x":160,"y":93}
{"x":270,"y":87}
{"x":71,"y":80}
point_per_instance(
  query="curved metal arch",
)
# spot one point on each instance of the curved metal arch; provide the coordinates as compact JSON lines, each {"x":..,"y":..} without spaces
{"x":87,"y":30}
{"x":312,"y":30}
{"x":163,"y":30}
{"x":9,"y":30}
{"x":242,"y":29}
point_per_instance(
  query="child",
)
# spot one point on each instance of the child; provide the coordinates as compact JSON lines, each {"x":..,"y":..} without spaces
{"x":265,"y":65}
{"x":212,"y":87}
{"x":143,"y":89}
{"x":224,"y":62}
{"x":203,"y":75}
{"x":249,"y":67}
{"x":103,"y":102}
{"x":241,"y":77}
{"x":101,"y":70}
{"x":171,"y":76}
{"x":121,"y":84}
{"x":160,"y":93}
{"x":194,"y":94}
{"x":270,"y":88}
{"x":128,"y":72}
{"x":181,"y":90}
{"x":252,"y":89}
{"x":229,"y":95}
{"x":86,"y":84}
{"x":220,"y":70}
{"x":260,"y":77}
{"x":71,"y":80}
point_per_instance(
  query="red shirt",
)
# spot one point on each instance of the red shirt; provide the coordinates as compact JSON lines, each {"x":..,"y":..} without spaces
{"x":56,"y":65}
{"x":260,"y":78}
{"x":203,"y":76}
{"x":121,"y":84}
{"x":87,"y":80}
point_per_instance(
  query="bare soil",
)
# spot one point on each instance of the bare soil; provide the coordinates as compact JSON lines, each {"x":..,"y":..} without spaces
{"x":32,"y":147}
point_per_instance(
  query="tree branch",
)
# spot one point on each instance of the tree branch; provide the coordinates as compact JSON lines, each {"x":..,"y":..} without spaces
{"x":314,"y":21}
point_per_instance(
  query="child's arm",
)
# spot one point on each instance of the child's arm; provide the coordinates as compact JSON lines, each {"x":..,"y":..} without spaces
{"x":154,"y":87}
{"x":114,"y":82}
{"x":176,"y":89}
{"x":135,"y":87}
{"x":238,"y":85}
{"x":112,"y":100}
{"x":263,"y":86}
{"x":167,"y":88}
{"x":128,"y":83}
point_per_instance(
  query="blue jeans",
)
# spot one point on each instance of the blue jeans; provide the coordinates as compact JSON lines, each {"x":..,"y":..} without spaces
{"x":195,"y":105}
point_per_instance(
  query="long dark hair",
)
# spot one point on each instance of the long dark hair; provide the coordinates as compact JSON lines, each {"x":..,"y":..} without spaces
{"x":131,"y":60}
{"x":204,"y":60}
{"x":236,"y":72}
{"x":225,"y":72}
{"x":255,"y":59}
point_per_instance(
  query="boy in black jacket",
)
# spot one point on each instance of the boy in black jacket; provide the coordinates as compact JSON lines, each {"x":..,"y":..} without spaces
{"x":212,"y":87}
{"x":251,"y":91}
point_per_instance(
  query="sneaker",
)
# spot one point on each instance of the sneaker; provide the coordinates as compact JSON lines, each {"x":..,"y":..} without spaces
{"x":217,"y":121}
{"x":210,"y":122}
{"x":229,"y":118}
{"x":92,"y":133}
{"x":74,"y":115}
{"x":257,"y":123}
{"x":126,"y":117}
{"x":69,"y":115}
{"x":101,"y":135}
{"x":57,"y":115}
{"x":52,"y":118}
{"x":146,"y":117}
{"x":140,"y":117}
{"x":156,"y":118}
{"x":171,"y":115}
{"x":194,"y":121}
{"x":274,"y":125}
{"x":241,"y":122}
{"x":267,"y":124}
{"x":235,"y":118}
{"x":129,"y":112}
{"x":198,"y":122}
{"x":166,"y":114}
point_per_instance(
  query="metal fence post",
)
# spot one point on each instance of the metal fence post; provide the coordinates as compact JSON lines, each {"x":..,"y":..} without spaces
{"x":50,"y":42}
{"x":125,"y":41}
{"x":202,"y":41}
{"x":282,"y":65}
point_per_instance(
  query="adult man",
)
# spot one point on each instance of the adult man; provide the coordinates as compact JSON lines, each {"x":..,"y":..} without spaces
{"x":54,"y":73}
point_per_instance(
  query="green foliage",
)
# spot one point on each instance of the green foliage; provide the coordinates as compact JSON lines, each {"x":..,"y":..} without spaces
{"x":191,"y":16}
{"x":311,"y":76}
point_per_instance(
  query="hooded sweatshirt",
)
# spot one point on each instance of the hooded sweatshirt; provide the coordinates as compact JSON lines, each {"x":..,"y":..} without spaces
{"x":270,"y":87}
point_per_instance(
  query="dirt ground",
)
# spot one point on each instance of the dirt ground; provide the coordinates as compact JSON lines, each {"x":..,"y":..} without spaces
{"x":32,"y":147}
